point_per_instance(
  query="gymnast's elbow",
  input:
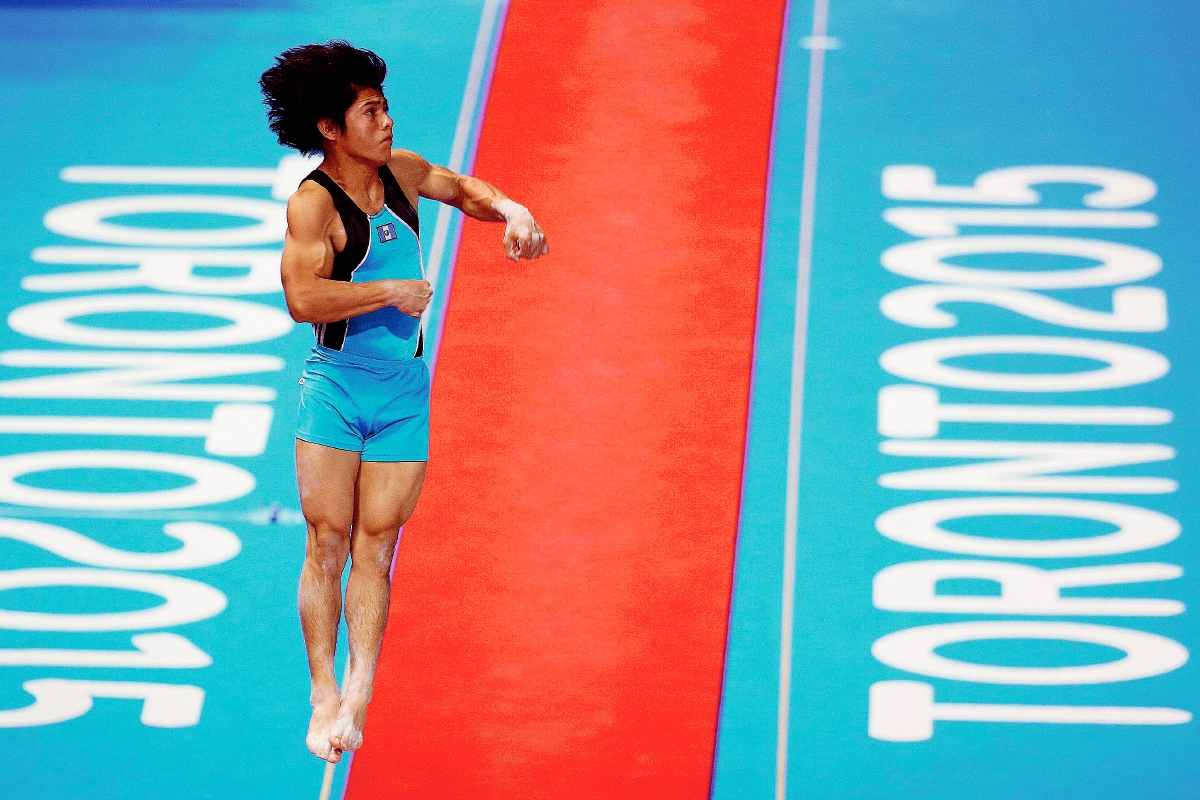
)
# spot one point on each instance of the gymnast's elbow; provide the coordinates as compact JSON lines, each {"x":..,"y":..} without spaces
{"x":302,"y":295}
{"x":302,"y":307}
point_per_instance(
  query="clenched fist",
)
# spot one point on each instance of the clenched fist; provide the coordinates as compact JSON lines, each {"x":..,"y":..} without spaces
{"x":411,"y":297}
{"x":523,"y":238}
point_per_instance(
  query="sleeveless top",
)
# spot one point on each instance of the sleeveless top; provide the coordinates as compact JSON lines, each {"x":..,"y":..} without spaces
{"x":384,"y":245}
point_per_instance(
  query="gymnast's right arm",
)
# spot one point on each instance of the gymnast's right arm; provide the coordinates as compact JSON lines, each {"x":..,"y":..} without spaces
{"x":308,"y":262}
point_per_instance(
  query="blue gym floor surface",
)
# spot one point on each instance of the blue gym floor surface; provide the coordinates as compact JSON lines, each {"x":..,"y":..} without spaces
{"x":1045,"y":415}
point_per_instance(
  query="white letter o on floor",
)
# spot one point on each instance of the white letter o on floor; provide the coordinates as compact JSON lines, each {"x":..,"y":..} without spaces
{"x":252,"y":322}
{"x":86,"y":220}
{"x":214,"y":481}
{"x":1146,"y":654}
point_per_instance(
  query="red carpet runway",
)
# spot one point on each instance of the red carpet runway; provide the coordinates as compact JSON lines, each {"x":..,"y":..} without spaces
{"x":560,"y":599}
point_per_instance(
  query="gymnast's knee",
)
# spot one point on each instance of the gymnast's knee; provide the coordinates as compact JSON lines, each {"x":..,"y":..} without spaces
{"x":327,"y":541}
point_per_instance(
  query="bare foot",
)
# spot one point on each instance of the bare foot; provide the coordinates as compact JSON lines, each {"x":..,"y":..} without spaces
{"x":345,"y":732}
{"x":318,"y":739}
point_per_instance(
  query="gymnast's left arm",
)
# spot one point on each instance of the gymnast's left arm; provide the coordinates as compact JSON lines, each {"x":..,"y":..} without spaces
{"x":523,"y":237}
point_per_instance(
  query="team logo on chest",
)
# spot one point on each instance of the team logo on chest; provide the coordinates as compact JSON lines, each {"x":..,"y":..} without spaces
{"x":386,"y":232}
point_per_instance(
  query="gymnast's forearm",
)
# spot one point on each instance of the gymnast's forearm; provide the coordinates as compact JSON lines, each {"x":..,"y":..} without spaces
{"x":324,"y":300}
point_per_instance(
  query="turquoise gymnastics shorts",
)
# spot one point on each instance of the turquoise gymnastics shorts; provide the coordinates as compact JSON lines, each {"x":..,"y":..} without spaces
{"x":377,"y":408}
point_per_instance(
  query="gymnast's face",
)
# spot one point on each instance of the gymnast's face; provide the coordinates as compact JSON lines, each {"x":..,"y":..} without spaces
{"x":368,"y":128}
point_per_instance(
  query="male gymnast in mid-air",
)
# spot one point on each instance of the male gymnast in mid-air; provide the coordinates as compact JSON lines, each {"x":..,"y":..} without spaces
{"x":352,"y":267}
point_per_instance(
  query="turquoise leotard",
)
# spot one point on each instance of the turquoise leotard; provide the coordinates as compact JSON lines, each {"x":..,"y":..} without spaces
{"x":365,"y":389}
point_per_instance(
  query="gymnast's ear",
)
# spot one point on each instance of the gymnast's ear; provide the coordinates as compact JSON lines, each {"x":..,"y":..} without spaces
{"x":330,"y":130}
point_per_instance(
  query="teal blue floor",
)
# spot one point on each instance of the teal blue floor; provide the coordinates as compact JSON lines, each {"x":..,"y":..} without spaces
{"x":962,"y":88}
{"x":137,"y":84}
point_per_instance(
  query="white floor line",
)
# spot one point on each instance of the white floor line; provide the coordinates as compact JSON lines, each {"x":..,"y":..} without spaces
{"x":808,"y":194}
{"x":327,"y":780}
{"x":462,"y":131}
{"x":441,"y":229}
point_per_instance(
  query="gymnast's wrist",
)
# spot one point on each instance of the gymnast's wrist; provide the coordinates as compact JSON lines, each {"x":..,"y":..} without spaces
{"x":511,"y":210}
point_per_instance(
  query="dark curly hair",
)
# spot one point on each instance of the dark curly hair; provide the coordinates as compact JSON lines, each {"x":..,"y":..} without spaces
{"x":315,"y":81}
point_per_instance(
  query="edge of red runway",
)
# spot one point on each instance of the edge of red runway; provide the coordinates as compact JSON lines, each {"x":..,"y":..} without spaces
{"x":560,"y":603}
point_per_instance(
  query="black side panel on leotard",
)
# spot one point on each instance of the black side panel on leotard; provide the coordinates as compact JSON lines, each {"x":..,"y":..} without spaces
{"x":397,"y":200}
{"x":354,"y":220}
{"x":358,"y":232}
